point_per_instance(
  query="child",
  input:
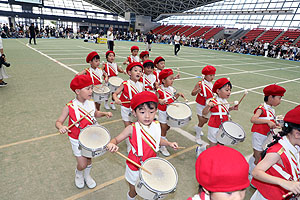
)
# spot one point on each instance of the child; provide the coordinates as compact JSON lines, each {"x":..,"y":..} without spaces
{"x":222,"y":174}
{"x":166,"y":95}
{"x":219,"y":113}
{"x":203,"y":90}
{"x":133,"y":57}
{"x":129,"y":88}
{"x":144,"y":136}
{"x":82,"y":85}
{"x":148,"y":79}
{"x":95,"y":72}
{"x":278,"y":172}
{"x":160,"y":64}
{"x":111,"y":69}
{"x":144,"y":55}
{"x":264,"y":120}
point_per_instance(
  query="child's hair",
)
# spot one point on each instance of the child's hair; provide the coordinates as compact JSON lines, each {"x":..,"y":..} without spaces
{"x":136,"y":66}
{"x":95,"y":57}
{"x":149,"y":64}
{"x":149,"y":104}
{"x":266,"y":98}
{"x":229,"y":84}
{"x":108,"y":54}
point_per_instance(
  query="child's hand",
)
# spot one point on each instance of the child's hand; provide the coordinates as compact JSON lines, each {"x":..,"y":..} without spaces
{"x":108,"y":114}
{"x":112,"y":147}
{"x":236,"y":107}
{"x":271,"y":124}
{"x":177,"y":76}
{"x":64,"y":129}
{"x":118,"y":101}
{"x":292,"y":186}
{"x":211,"y":104}
{"x":162,"y":101}
{"x":174,"y":145}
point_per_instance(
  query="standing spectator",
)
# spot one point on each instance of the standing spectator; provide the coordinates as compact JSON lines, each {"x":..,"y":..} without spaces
{"x":32,"y":33}
{"x":177,"y":44}
{"x":150,"y":38}
{"x":110,"y":39}
{"x":3,"y":74}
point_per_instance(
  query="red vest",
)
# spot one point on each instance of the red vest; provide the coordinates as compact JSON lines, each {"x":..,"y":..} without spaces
{"x":215,"y":119}
{"x":132,"y":59}
{"x":156,"y":73}
{"x":96,"y":77}
{"x":111,"y":69}
{"x":125,"y":93}
{"x":201,"y":99}
{"x":262,"y":128}
{"x":148,"y":81}
{"x":165,"y":94}
{"x":202,"y":196}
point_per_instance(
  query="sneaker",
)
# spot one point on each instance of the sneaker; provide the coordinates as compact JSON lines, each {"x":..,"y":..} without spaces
{"x":90,"y":183}
{"x":199,"y":141}
{"x":164,"y":151}
{"x":200,"y":149}
{"x":79,"y":180}
{"x":2,"y":84}
{"x":106,"y":106}
{"x":112,"y":105}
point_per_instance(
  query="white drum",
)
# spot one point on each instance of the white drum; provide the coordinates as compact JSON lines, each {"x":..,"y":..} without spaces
{"x":93,"y":140}
{"x":101,"y":93}
{"x":178,"y":114}
{"x":163,"y":180}
{"x":230,"y":133}
{"x":114,"y":82}
{"x":270,"y":137}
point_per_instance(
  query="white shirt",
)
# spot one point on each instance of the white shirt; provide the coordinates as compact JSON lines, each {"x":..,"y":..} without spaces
{"x":110,"y":37}
{"x":176,"y":39}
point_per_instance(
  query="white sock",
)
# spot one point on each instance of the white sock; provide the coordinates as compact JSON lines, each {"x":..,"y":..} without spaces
{"x":130,"y":198}
{"x":79,"y":173}
{"x":87,"y":170}
{"x":251,"y":164}
{"x":106,"y":102}
{"x":198,"y":131}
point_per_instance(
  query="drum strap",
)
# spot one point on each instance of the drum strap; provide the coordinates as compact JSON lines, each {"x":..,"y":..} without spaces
{"x":133,"y":88}
{"x":270,"y":112}
{"x":205,"y":87}
{"x":82,"y":109}
{"x":97,"y":74}
{"x":221,"y":108}
{"x":168,"y":92}
{"x":112,"y":67}
{"x":133,"y":59}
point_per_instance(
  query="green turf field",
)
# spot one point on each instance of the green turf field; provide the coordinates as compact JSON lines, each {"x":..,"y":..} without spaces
{"x":36,"y":163}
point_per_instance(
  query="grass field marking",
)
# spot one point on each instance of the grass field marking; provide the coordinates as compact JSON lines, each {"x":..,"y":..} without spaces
{"x":80,"y":58}
{"x":73,"y":50}
{"x":64,"y":54}
{"x":98,"y":50}
{"x":86,"y":64}
{"x":184,"y":133}
{"x":120,"y":178}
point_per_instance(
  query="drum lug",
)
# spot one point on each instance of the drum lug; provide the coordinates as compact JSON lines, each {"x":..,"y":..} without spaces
{"x":139,"y":185}
{"x":233,"y":142}
{"x":157,"y":196}
{"x":79,"y":147}
{"x":93,"y":153}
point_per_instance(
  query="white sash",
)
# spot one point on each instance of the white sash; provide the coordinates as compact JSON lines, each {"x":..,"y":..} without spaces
{"x":270,"y":113}
{"x":87,"y":107}
{"x":134,"y":58}
{"x":225,"y":106}
{"x":206,"y":85}
{"x":168,"y":90}
{"x":96,"y":72}
{"x":113,"y":67}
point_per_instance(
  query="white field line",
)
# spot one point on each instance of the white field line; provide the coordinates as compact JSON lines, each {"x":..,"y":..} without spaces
{"x":64,"y":54}
{"x":96,"y":50}
{"x":78,"y":58}
{"x":78,"y":64}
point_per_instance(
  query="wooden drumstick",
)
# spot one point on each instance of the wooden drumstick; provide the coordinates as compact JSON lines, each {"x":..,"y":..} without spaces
{"x":125,"y":102}
{"x":186,"y":100}
{"x":286,"y":195}
{"x":139,"y":166}
{"x":181,"y":147}
{"x":246,"y":92}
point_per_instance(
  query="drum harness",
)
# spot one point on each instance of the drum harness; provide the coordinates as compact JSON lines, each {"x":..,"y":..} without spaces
{"x":221,"y":113}
{"x":269,"y":112}
{"x":94,"y":73}
{"x":110,"y":65}
{"x":76,"y":106}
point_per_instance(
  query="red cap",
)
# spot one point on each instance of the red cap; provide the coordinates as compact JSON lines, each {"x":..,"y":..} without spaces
{"x":293,"y":116}
{"x":108,"y":52}
{"x":143,"y":53}
{"x":158,"y":59}
{"x":222,"y":169}
{"x":142,"y":97}
{"x":131,"y":65}
{"x":80,"y":82}
{"x":147,"y":61}
{"x":275,"y":90}
{"x":208,"y":70}
{"x":219,"y":83}
{"x":165,"y":73}
{"x":134,"y":48}
{"x":91,"y":56}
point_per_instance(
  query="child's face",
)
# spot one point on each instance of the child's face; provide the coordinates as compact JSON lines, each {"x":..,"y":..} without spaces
{"x":135,"y":52}
{"x":168,"y":81}
{"x":148,"y":70}
{"x":224,"y":92}
{"x":135,"y":73}
{"x":161,"y":65}
{"x":146,"y":57}
{"x":85,"y":93}
{"x":145,"y":115}
{"x":236,"y":195}
{"x":209,"y":77}
{"x":95,"y":63}
{"x":111,"y":58}
{"x":274,"y":101}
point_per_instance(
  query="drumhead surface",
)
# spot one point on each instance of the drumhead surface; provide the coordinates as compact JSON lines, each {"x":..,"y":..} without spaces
{"x":116,"y":81}
{"x":180,"y":111}
{"x":94,"y":137}
{"x":234,"y":129}
{"x":164,"y":176}
{"x":101,"y":89}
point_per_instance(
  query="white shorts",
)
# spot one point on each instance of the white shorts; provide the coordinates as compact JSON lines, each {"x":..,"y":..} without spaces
{"x":126,"y":113}
{"x":199,"y":109}
{"x":131,"y":176}
{"x":212,"y":134}
{"x":257,"y":196}
{"x":75,"y":147}
{"x":258,"y":140}
{"x":162,"y":116}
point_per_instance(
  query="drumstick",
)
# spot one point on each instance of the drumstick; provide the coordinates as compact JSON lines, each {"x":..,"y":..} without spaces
{"x":125,"y":102}
{"x":139,"y":166}
{"x":246,"y":92}
{"x":286,"y":195}
{"x":172,"y":104}
{"x":235,"y":103}
{"x":181,"y":147}
{"x":185,"y":99}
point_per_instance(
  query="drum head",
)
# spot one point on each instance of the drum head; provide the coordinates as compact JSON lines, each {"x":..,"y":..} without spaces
{"x":164,"y":175}
{"x":234,"y":129}
{"x":101,"y":89}
{"x":179,"y":111}
{"x":115,"y":80}
{"x":94,"y":137}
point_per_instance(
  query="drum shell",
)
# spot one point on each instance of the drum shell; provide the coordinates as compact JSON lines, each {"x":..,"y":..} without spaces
{"x":113,"y":87}
{"x":99,"y":97}
{"x":225,"y":138}
{"x":173,"y":122}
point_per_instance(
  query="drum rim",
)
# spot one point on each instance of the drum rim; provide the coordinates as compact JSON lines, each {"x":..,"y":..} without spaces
{"x":190,"y":116}
{"x":114,"y":77}
{"x":103,"y":93}
{"x":154,"y":190}
{"x":230,"y":136}
{"x":97,"y":149}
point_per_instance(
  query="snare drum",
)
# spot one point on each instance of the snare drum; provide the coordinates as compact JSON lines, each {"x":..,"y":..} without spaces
{"x":100,"y":93}
{"x":230,"y":133}
{"x":163,"y":180}
{"x":114,"y":82}
{"x":270,"y":138}
{"x":93,"y":140}
{"x":178,"y":114}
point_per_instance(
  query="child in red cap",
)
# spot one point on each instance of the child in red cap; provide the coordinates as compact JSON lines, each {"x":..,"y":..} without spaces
{"x":148,"y":79}
{"x":203,"y":90}
{"x":82,"y":85}
{"x":160,"y":64}
{"x":222,"y":174}
{"x":95,"y":72}
{"x":166,"y":95}
{"x":128,"y":89}
{"x":278,"y":172}
{"x":144,"y":55}
{"x":264,"y":121}
{"x":111,"y":69}
{"x":219,"y":109}
{"x":133,"y":57}
{"x":144,"y":136}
